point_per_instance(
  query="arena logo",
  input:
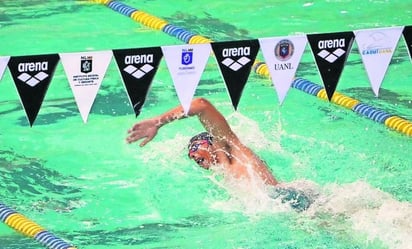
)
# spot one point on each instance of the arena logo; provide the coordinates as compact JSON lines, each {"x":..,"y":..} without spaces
{"x":335,"y":45}
{"x":133,"y":62}
{"x":233,"y":63}
{"x":28,"y":68}
{"x":138,"y":59}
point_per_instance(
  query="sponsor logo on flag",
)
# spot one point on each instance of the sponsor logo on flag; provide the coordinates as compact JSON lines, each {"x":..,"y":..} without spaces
{"x":331,"y":50}
{"x":86,"y":63}
{"x":377,"y":43}
{"x":187,"y":56}
{"x":284,"y":50}
{"x":231,"y":61}
{"x":136,"y":70}
{"x":32,"y":73}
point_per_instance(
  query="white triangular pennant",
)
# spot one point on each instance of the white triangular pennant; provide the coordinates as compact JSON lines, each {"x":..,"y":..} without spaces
{"x":3,"y":64}
{"x":282,"y":56}
{"x":85,"y":72}
{"x":376,"y":47}
{"x":186,"y":64}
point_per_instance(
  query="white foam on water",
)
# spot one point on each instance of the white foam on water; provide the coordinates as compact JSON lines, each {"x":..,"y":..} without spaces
{"x":252,"y":197}
{"x":247,"y":197}
{"x":371,"y":212}
{"x":356,"y":210}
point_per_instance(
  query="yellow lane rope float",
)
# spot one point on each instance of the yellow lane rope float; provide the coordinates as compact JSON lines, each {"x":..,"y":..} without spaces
{"x":30,"y":229}
{"x":394,"y":122}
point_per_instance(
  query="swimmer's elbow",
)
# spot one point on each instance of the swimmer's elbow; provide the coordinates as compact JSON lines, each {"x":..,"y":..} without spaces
{"x":198,"y":105}
{"x":200,"y":101}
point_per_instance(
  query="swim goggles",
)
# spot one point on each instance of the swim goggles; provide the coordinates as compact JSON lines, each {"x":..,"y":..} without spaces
{"x":193,"y":147}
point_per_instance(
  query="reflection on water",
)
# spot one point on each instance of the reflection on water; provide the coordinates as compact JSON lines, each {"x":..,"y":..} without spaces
{"x":23,"y":178}
{"x":12,"y":12}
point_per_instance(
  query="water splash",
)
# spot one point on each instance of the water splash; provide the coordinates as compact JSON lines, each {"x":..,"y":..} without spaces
{"x":371,"y":213}
{"x":355,"y":210}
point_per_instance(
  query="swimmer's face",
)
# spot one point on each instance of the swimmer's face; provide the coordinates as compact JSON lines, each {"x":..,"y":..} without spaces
{"x":199,"y":151}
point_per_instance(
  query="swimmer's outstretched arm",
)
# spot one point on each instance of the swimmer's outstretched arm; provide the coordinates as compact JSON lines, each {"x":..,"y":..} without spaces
{"x":209,"y":116}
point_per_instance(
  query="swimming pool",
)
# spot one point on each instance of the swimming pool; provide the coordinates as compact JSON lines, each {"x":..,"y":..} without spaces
{"x":86,"y":185}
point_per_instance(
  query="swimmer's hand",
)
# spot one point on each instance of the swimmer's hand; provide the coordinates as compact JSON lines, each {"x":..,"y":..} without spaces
{"x":146,"y":129}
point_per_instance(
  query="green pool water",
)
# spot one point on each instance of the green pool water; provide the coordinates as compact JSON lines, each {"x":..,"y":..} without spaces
{"x":86,"y":185}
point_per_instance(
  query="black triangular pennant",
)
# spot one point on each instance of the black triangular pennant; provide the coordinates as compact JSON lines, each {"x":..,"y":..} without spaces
{"x":235,"y":59}
{"x":331,"y":51}
{"x":407,"y":34}
{"x":138,"y":66}
{"x":32,"y":76}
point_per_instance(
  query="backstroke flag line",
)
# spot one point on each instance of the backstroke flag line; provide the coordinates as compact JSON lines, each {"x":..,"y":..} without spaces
{"x":32,"y":76}
{"x":3,"y":64}
{"x":282,"y":56}
{"x":186,"y":64}
{"x":376,"y":47}
{"x":85,"y":72}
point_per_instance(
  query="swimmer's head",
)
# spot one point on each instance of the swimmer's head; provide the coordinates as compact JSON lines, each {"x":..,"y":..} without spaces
{"x":199,"y":149}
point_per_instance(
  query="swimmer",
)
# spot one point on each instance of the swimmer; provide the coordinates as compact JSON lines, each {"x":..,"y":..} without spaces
{"x":217,"y":147}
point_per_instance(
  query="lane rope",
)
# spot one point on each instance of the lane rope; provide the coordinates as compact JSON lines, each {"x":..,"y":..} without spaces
{"x":394,"y":122}
{"x":391,"y":121}
{"x":30,"y":229}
